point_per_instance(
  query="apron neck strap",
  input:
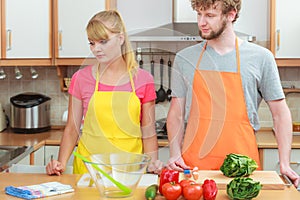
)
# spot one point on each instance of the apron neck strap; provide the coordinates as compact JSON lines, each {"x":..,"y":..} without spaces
{"x":237,"y":55}
{"x":131,"y":81}
{"x":236,"y":50}
{"x":97,"y":79}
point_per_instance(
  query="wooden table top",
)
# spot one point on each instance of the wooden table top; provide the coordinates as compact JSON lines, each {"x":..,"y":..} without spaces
{"x":84,"y":193}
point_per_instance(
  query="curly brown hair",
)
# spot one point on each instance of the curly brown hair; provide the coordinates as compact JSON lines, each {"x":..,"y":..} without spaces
{"x":227,"y":5}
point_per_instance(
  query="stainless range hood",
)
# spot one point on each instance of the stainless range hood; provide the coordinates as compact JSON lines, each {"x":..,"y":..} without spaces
{"x":176,"y":32}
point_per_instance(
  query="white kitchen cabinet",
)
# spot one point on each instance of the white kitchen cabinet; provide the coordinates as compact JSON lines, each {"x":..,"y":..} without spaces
{"x":140,"y":15}
{"x":26,"y":29}
{"x":183,"y":12}
{"x":286,"y":28}
{"x":271,"y":160}
{"x":53,"y":151}
{"x":72,"y":18}
{"x":38,"y":158}
{"x":164,"y":154}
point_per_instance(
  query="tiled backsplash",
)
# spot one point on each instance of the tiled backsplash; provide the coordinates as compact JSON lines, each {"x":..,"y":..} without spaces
{"x":48,"y":83}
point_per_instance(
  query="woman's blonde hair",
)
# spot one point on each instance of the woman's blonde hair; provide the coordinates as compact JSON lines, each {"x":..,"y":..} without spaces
{"x":97,"y":30}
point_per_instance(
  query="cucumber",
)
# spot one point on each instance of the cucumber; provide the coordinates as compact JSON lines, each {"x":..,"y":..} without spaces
{"x":151,"y":192}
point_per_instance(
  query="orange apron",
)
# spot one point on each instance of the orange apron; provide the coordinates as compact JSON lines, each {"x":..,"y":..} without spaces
{"x":111,"y":124}
{"x":218,"y":123}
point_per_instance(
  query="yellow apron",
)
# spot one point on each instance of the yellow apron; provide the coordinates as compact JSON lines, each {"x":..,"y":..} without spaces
{"x":218,"y":122}
{"x":111,"y":124}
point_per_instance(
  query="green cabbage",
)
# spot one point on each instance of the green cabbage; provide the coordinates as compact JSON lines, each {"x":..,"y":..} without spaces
{"x":236,"y":165}
{"x":243,"y":188}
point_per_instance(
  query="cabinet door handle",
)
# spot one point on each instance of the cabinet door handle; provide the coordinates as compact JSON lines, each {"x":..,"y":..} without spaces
{"x":292,"y":163}
{"x":278,"y":39}
{"x":8,"y":40}
{"x":60,"y":39}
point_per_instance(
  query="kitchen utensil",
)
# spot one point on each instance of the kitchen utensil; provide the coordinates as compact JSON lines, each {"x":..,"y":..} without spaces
{"x":18,"y":74}
{"x":141,"y":63}
{"x":152,"y":67}
{"x":169,"y":91}
{"x":125,"y":189}
{"x":2,"y":74}
{"x":30,"y":113}
{"x":34,"y":73}
{"x":161,"y":93}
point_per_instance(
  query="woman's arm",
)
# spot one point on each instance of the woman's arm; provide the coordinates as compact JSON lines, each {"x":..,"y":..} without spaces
{"x":150,"y":143}
{"x":69,"y":138}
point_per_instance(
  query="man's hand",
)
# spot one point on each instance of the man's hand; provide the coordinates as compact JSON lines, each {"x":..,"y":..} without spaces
{"x":177,"y":163}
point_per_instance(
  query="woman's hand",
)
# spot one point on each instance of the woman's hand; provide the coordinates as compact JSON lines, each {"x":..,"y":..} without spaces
{"x":155,"y":166}
{"x":55,"y":167}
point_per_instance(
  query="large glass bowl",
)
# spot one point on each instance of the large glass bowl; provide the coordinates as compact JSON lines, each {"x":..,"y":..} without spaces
{"x":125,"y":168}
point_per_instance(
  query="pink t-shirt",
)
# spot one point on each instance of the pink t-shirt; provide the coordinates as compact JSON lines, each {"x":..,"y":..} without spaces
{"x":83,"y":86}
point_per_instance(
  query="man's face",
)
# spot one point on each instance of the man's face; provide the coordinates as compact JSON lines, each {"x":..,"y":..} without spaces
{"x":211,"y":22}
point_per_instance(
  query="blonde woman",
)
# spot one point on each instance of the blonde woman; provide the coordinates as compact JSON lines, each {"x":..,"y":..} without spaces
{"x":115,"y":97}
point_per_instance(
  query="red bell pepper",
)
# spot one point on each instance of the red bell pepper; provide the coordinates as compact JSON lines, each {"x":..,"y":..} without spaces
{"x":167,"y":176}
{"x":210,"y":189}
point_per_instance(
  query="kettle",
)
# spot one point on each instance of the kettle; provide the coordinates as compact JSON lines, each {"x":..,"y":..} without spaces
{"x":3,"y":121}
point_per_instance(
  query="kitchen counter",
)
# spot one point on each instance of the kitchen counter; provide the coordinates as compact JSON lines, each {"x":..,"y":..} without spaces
{"x":265,"y":139}
{"x":13,"y":179}
{"x":37,"y":140}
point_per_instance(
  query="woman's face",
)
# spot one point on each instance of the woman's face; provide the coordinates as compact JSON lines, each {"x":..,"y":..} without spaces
{"x":106,"y":51}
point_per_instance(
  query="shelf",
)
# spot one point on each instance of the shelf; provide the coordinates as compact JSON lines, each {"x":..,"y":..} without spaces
{"x":291,"y":90}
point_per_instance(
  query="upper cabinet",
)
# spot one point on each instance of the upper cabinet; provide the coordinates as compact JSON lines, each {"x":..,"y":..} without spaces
{"x":71,"y":17}
{"x":140,"y":15}
{"x":46,"y":32}
{"x":183,"y":12}
{"x":285,"y":31}
{"x":26,"y":32}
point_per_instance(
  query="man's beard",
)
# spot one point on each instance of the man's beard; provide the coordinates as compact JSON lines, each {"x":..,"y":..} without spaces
{"x":214,"y":34}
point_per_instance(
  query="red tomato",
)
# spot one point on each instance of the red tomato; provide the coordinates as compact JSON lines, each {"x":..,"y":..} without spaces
{"x":186,"y":182}
{"x":193,"y":192}
{"x":171,"y":190}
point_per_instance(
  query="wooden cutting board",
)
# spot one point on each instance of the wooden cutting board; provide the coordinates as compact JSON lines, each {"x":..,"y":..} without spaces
{"x":270,"y":180}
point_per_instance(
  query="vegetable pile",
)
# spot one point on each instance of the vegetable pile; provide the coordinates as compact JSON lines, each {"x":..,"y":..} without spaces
{"x":170,"y":187}
{"x":243,"y":188}
{"x":236,"y":165}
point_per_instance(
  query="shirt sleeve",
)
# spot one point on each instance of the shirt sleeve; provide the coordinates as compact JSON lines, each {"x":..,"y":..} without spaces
{"x":145,"y":86}
{"x":74,"y":88}
{"x":270,"y":85}
{"x":178,"y":84}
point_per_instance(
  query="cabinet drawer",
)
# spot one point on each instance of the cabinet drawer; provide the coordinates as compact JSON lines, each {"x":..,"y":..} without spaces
{"x":271,"y":160}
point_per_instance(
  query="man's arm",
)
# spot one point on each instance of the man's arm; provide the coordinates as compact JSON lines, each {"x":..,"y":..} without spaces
{"x":175,"y":129}
{"x":283,"y":132}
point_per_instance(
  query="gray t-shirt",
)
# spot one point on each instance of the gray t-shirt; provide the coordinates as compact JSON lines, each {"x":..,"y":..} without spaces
{"x":260,"y":77}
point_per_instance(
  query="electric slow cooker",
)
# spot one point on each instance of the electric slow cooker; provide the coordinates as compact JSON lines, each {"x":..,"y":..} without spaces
{"x":30,"y":113}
